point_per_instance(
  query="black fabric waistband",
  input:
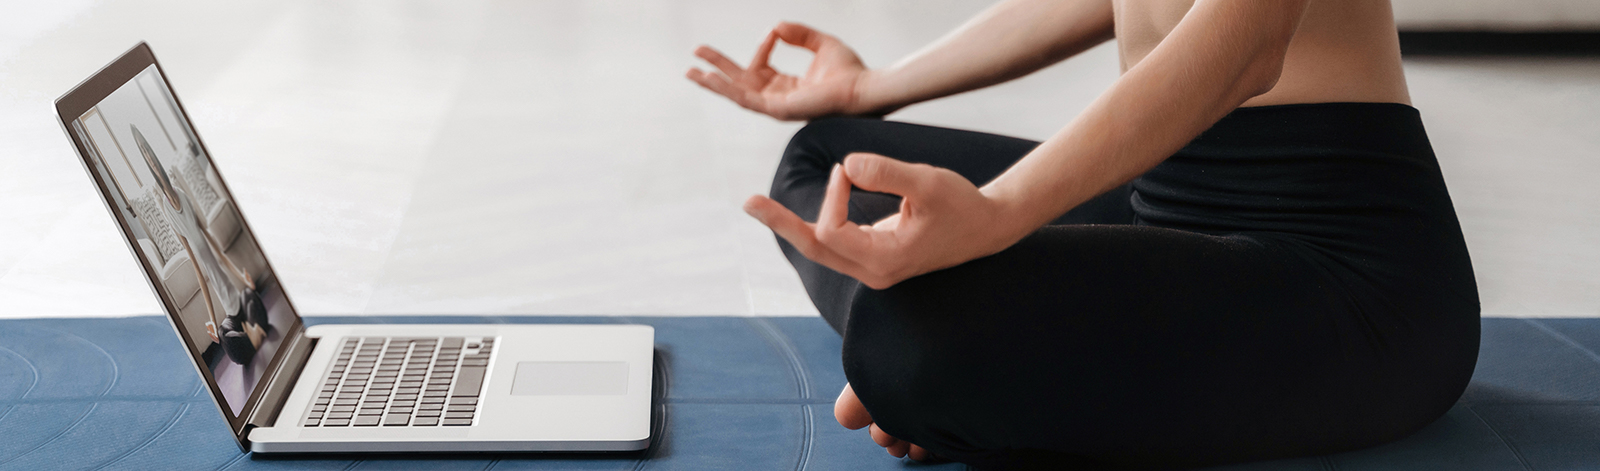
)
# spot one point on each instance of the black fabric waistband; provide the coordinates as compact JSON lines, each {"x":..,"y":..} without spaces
{"x":1386,"y":128}
{"x":1311,"y":169}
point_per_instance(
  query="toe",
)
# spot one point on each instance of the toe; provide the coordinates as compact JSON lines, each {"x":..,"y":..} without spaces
{"x":899,"y":449}
{"x":849,"y":411}
{"x":918,"y":453}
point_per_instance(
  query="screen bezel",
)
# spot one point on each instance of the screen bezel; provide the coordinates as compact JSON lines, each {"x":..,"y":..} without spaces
{"x":86,"y":96}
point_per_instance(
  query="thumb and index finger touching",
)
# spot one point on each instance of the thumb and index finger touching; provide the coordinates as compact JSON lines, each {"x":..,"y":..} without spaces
{"x":792,"y":33}
{"x":801,"y":35}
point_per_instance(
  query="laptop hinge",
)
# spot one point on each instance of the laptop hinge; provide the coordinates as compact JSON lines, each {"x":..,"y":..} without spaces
{"x":281,"y":381}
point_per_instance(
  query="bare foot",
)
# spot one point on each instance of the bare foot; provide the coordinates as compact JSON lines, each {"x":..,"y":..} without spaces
{"x":852,"y":415}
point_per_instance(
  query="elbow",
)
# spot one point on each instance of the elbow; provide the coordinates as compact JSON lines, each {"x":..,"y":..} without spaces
{"x":1259,"y":72}
{"x":1260,"y":76}
{"x":1265,"y":63}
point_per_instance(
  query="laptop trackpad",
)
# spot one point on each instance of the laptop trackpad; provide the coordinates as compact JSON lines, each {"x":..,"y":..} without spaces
{"x":570,"y":378}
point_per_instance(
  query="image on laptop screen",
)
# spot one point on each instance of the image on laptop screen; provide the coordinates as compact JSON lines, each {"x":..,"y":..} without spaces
{"x":223,"y":296}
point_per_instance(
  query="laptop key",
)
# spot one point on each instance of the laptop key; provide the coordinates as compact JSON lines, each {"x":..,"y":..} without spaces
{"x":310,"y":423}
{"x":366,"y":421}
{"x":458,"y":421}
{"x":396,"y":419}
{"x":469,"y":382}
{"x":462,"y":408}
{"x":457,"y":415}
{"x":335,"y":422}
{"x":340,"y":415}
{"x":428,"y":413}
{"x":425,"y":421}
{"x":463,"y":400}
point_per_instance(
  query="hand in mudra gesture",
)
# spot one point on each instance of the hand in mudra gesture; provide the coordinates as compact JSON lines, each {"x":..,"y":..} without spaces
{"x":943,"y":221}
{"x":828,"y":87}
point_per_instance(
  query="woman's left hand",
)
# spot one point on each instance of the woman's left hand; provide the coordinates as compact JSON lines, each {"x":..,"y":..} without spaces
{"x":944,"y":220}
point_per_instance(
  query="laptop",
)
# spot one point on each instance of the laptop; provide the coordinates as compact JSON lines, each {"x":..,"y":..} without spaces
{"x":287,"y":388}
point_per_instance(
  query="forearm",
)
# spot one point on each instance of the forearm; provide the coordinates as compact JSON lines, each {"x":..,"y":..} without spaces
{"x":1222,"y":54}
{"x":1009,"y":40}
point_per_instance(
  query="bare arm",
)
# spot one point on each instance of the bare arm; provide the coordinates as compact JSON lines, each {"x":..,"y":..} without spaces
{"x":1009,"y":40}
{"x":1222,"y":53}
{"x":1006,"y":41}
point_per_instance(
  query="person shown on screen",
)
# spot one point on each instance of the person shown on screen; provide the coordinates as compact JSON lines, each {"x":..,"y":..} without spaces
{"x":239,"y":315}
{"x":1242,"y":250}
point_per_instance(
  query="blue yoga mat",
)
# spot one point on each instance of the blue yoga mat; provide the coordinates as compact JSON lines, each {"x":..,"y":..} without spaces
{"x":739,"y":393}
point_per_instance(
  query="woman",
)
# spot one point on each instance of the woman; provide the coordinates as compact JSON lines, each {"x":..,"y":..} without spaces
{"x":1243,"y":250}
{"x":238,"y":317}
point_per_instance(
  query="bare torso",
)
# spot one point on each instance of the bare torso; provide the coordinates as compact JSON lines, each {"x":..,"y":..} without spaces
{"x":1344,"y":50}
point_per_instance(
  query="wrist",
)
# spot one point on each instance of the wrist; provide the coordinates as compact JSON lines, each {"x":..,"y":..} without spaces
{"x":1010,"y":219}
{"x":867,"y":97}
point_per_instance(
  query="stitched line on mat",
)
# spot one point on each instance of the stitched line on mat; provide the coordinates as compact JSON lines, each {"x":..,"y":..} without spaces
{"x":1563,"y":338}
{"x":116,"y":372}
{"x":782,"y":344}
{"x":232,"y":461}
{"x":147,"y":441}
{"x":1514,"y":451}
{"x":716,"y":400}
{"x":31,"y":368}
{"x":56,"y":436}
{"x":657,"y":442}
{"x":805,"y":443}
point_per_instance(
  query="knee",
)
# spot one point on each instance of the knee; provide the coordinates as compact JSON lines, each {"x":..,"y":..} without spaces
{"x":813,"y":151}
{"x":894,"y":367}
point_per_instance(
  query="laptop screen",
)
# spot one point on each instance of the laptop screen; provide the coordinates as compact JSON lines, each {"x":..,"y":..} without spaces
{"x":181,"y":220}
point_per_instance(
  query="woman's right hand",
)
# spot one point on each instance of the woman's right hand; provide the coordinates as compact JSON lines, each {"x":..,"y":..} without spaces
{"x":831,"y":86}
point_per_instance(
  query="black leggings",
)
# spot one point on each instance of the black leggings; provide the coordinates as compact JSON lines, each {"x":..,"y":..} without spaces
{"x":1293,"y":282}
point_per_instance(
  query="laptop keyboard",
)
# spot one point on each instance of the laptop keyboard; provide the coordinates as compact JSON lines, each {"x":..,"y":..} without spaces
{"x":402,"y":382}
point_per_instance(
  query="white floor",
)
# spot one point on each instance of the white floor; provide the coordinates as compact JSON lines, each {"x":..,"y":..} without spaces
{"x":548,"y":157}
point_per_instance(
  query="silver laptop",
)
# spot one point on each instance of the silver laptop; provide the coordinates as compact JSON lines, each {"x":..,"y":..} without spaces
{"x":287,"y":388}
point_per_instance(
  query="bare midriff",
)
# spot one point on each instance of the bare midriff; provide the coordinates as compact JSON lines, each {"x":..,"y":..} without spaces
{"x":1343,"y":51}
